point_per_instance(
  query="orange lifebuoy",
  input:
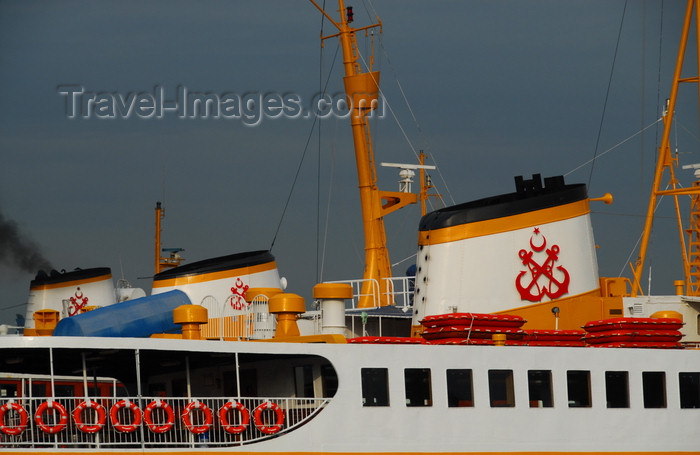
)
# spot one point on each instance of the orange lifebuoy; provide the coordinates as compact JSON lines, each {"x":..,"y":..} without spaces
{"x":225,"y":423}
{"x":13,"y":430}
{"x":135,"y":420}
{"x":87,"y":427}
{"x":54,"y":406}
{"x":279,"y":418}
{"x":197,"y":429}
{"x":170,"y":416}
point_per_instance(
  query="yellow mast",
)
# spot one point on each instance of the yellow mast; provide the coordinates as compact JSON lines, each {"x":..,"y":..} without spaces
{"x":426,"y":184}
{"x":693,"y":285}
{"x":160,"y":214}
{"x":666,"y":161}
{"x":162,"y":262}
{"x":362,"y":91}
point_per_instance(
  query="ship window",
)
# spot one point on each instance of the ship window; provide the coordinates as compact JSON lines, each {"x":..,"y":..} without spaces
{"x":39,"y":390}
{"x":540,"y":388}
{"x":460,"y":391}
{"x":8,"y":390}
{"x":501,"y":391}
{"x":617,"y":393}
{"x":179,"y":387}
{"x":375,"y":387}
{"x":654,"y":389}
{"x":65,"y":390}
{"x":689,"y":384}
{"x":158,"y":389}
{"x":698,"y":324}
{"x":418,"y":391}
{"x":578,"y":385}
{"x":304,"y":381}
{"x":95,"y":392}
{"x":330,"y":381}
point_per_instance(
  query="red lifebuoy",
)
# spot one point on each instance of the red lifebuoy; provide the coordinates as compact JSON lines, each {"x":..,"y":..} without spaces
{"x":54,"y":406}
{"x":170,"y":416}
{"x":135,"y":416}
{"x":279,"y":418}
{"x":226,"y":424}
{"x":13,"y":430}
{"x":89,"y":427}
{"x":197,"y":429}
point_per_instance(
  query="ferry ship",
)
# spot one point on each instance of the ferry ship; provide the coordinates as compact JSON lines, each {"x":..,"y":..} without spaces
{"x":221,"y":359}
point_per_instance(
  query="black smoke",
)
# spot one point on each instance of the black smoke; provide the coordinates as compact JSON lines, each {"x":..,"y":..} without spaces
{"x":17,"y":251}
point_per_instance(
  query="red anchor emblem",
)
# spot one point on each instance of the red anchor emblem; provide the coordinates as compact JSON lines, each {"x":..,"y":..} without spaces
{"x":237,"y":300}
{"x":77,"y":302}
{"x":534,"y":291}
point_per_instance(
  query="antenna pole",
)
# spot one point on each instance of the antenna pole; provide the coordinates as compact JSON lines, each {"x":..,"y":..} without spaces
{"x":159,"y":217}
{"x":161,"y":262}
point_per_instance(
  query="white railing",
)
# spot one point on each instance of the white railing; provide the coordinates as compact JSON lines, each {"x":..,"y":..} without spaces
{"x":248,"y":321}
{"x":163,"y":421}
{"x":264,"y":323}
{"x":357,"y":286}
{"x":401,"y":289}
{"x":397,"y":289}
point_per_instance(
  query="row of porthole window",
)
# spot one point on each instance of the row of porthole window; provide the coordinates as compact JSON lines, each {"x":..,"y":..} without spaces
{"x":460,"y":390}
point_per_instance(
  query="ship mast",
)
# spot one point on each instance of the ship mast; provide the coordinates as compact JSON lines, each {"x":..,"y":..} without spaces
{"x":362,"y":91}
{"x":163,"y":262}
{"x":426,"y":184}
{"x":693,"y":231}
{"x":666,"y":161}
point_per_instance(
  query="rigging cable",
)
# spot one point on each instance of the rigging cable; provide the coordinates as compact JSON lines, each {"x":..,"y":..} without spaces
{"x":318,"y":159}
{"x":659,"y":103}
{"x":639,"y":239}
{"x":303,"y":156}
{"x":686,"y":130}
{"x":403,"y":131}
{"x":607,"y":95}
{"x":296,"y":177}
{"x":328,"y":207}
{"x":614,"y":147}
{"x":659,"y":95}
{"x":408,"y":106}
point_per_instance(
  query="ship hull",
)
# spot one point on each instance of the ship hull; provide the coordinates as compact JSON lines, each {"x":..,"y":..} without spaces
{"x":513,"y":422}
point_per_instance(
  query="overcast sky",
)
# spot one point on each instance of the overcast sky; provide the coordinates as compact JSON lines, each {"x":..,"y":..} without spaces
{"x":498,"y":88}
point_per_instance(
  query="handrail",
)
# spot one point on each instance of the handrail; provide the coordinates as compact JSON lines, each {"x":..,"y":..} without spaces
{"x":250,"y":321}
{"x":404,"y":296}
{"x":163,"y":421}
{"x":401,"y":298}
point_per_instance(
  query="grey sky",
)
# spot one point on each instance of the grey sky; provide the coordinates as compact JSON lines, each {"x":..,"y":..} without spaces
{"x":499,"y":88}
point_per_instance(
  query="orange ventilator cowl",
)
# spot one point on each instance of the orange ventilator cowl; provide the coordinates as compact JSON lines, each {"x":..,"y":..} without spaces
{"x":190,"y":316}
{"x":332,"y":291}
{"x":251,"y":293}
{"x":286,"y":307}
{"x":45,"y":321}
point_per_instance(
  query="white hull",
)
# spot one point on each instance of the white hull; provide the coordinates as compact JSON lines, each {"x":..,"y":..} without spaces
{"x":344,"y":425}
